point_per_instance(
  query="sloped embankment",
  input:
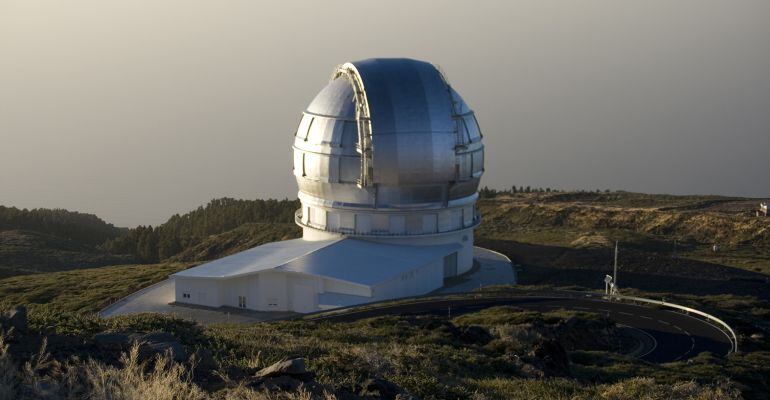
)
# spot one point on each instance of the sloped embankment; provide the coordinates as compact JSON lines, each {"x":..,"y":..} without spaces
{"x":689,"y":226}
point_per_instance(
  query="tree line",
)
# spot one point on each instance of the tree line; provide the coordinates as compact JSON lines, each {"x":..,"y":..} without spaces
{"x":83,"y":228}
{"x":152,"y":244}
{"x":488,"y":193}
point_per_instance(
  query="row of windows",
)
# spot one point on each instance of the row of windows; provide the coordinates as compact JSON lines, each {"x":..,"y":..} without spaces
{"x":335,"y":132}
{"x":344,"y":133}
{"x":426,"y":223}
{"x":347,"y":169}
{"x":467,"y":129}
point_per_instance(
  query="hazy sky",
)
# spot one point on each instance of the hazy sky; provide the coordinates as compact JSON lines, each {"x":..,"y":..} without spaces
{"x":138,"y":109}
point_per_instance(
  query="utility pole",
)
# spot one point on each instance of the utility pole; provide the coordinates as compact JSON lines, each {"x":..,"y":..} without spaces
{"x":615,"y":274}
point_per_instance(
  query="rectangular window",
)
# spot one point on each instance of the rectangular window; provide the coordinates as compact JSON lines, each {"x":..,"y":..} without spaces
{"x":304,"y":126}
{"x":474,"y":133}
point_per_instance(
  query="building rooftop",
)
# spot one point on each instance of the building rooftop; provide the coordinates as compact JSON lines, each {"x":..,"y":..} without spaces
{"x":350,"y":260}
{"x":260,"y":258}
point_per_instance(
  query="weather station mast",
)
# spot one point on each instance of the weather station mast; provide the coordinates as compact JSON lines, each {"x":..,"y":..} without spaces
{"x":611,"y":282}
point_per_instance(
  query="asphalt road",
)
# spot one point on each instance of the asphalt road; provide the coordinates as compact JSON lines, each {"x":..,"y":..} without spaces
{"x":675,"y":336}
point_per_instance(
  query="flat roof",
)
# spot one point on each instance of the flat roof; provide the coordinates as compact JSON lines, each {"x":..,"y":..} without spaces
{"x":255,"y":259}
{"x":350,"y":260}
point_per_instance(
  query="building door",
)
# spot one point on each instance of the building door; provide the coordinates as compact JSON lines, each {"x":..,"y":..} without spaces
{"x":304,"y":299}
{"x":450,"y":265}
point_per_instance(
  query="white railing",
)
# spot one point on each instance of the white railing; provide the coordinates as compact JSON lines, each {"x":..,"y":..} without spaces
{"x":733,"y":337}
{"x":349,"y":231}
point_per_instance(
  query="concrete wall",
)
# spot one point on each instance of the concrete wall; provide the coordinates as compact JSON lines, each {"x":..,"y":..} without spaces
{"x":273,"y":291}
{"x":302,"y":292}
{"x":335,"y":286}
{"x":245,"y":286}
{"x":463,"y":238}
{"x":203,"y":292}
{"x":413,"y":283}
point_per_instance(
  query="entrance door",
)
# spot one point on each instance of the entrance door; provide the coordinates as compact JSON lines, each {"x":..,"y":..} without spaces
{"x":304,"y":299}
{"x":450,"y":265}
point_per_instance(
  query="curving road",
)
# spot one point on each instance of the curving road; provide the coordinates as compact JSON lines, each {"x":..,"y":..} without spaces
{"x":674,"y":336}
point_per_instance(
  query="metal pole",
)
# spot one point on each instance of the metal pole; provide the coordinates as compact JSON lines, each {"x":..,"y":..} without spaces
{"x":615,"y":274}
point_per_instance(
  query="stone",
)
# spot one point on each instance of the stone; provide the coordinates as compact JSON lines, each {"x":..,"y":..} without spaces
{"x":158,"y":337}
{"x":173,"y":349}
{"x":204,"y":360}
{"x":235,"y":372}
{"x":113,"y":341}
{"x":294,"y":366}
{"x":384,"y":389}
{"x":150,"y":344}
{"x":17,"y":319}
{"x":162,"y":343}
{"x":282,"y":382}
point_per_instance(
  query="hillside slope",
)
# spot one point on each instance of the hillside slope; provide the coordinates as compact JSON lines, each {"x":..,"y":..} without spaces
{"x":241,"y":238}
{"x":25,"y":252}
{"x":43,"y":240}
{"x":693,"y":223}
{"x":666,"y":242}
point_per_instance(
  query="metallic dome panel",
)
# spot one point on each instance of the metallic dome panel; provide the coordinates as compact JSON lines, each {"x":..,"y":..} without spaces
{"x":334,"y":100}
{"x":388,"y":134}
{"x":411,"y":117}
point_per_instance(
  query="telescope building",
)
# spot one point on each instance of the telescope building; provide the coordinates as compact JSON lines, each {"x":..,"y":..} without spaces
{"x":388,"y":159}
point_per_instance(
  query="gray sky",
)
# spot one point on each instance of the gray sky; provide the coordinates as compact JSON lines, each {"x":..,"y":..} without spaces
{"x":138,"y":109}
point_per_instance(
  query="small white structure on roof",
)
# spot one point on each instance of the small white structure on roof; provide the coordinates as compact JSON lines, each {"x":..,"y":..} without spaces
{"x":388,"y":159}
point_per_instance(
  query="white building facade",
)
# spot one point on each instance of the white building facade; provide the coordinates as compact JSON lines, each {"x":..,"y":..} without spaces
{"x":388,"y":159}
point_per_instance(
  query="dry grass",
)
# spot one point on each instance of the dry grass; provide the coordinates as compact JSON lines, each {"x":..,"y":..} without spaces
{"x":647,"y":389}
{"x":158,"y":379}
{"x":165,"y":381}
{"x":8,"y":376}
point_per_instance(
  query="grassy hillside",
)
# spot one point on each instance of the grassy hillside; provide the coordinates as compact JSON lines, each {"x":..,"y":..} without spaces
{"x":83,"y":290}
{"x":659,"y":235}
{"x":26,"y":252}
{"x":556,"y":240}
{"x":183,"y":232}
{"x":241,"y":238}
{"x":496,"y":353}
{"x":40,"y":240}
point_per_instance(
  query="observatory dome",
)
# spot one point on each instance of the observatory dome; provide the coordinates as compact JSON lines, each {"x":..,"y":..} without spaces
{"x":387,"y":149}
